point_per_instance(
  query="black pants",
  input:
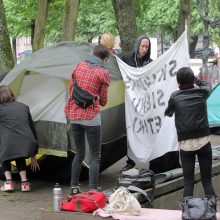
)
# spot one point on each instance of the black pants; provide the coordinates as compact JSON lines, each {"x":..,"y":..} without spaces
{"x":20,"y":164}
{"x":205,"y":162}
{"x":94,"y":134}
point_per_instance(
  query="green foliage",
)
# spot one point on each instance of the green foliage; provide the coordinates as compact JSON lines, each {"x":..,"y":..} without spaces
{"x":215,"y":16}
{"x":197,"y":22}
{"x":155,"y":16}
{"x":55,"y":21}
{"x":95,"y":18}
{"x":20,"y":14}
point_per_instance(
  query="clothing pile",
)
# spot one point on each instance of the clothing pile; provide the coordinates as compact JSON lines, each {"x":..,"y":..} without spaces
{"x":123,"y":202}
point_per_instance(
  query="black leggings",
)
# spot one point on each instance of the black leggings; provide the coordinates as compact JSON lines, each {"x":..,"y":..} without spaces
{"x":20,"y":164}
{"x":205,"y":162}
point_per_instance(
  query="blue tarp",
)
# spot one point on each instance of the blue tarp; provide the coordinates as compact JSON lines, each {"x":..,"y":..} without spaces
{"x":213,"y":105}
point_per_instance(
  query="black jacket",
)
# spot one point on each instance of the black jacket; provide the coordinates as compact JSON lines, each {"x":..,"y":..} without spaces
{"x":17,"y":132}
{"x":131,"y":58}
{"x":189,"y":106}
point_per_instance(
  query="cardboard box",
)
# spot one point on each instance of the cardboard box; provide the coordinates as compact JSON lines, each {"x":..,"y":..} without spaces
{"x":51,"y":215}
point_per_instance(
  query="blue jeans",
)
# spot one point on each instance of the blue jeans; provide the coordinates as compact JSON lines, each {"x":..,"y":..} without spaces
{"x":94,"y":135}
{"x":205,"y":162}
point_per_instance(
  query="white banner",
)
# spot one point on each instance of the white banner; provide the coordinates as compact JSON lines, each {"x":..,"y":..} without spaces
{"x":147,"y":91}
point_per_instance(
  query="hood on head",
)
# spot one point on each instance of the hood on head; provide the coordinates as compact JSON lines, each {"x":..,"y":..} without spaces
{"x":137,"y":45}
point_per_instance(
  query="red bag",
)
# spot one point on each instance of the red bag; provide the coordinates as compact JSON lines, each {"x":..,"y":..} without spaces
{"x":85,"y":202}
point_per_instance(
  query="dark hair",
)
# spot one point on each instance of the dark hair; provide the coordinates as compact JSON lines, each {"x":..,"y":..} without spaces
{"x":101,"y":51}
{"x":6,"y":95}
{"x":185,"y":77}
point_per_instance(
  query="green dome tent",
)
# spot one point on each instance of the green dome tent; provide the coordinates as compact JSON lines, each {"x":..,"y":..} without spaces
{"x":213,"y":106}
{"x":41,"y":81}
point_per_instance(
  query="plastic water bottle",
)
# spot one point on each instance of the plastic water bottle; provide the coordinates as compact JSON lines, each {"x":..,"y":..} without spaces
{"x":57,"y":197}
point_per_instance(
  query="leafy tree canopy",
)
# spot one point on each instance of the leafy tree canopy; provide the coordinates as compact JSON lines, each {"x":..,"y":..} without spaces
{"x":20,"y":14}
{"x":155,"y":16}
{"x":213,"y":15}
{"x":97,"y":16}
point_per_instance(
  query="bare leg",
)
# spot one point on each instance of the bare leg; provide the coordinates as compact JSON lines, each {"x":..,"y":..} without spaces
{"x":8,"y":175}
{"x":23,"y":175}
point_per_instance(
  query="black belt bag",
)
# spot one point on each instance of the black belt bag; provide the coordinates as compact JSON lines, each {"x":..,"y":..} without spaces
{"x":81,"y":97}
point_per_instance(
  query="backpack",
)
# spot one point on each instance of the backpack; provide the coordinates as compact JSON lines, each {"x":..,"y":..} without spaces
{"x":137,"y":181}
{"x":141,"y":178}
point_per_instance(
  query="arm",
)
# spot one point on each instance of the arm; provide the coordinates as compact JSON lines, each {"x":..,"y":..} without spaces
{"x":170,"y":108}
{"x":203,"y":85}
{"x":103,"y":92}
{"x":34,"y":164}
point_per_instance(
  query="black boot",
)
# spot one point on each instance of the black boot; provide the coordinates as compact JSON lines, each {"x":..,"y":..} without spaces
{"x":130,"y":164}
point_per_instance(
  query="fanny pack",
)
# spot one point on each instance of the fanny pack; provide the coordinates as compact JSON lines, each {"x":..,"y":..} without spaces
{"x":81,"y":97}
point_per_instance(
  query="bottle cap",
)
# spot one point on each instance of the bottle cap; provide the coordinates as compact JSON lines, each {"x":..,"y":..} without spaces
{"x":57,"y":185}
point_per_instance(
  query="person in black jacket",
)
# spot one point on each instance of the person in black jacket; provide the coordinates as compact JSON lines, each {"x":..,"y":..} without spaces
{"x":191,"y":121}
{"x":139,"y":57}
{"x":18,"y":139}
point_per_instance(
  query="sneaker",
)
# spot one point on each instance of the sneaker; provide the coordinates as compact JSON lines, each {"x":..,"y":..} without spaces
{"x":7,"y":186}
{"x":25,"y":186}
{"x":73,"y":191}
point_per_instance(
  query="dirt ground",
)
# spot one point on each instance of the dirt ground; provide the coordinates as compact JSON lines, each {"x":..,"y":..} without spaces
{"x":27,"y":206}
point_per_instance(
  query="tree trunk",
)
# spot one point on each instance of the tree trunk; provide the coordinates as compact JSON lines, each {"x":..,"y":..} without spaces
{"x":70,"y":18}
{"x":206,"y":37}
{"x":193,"y":46}
{"x":185,"y":13}
{"x":14,"y":49}
{"x":6,"y":57}
{"x":40,"y":25}
{"x":125,"y":23}
{"x":32,"y":32}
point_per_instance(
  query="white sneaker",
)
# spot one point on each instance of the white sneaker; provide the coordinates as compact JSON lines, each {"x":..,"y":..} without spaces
{"x":7,"y":186}
{"x":25,"y":187}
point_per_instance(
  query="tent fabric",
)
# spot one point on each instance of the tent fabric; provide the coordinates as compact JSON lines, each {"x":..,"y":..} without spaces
{"x":59,"y":60}
{"x":213,"y":106}
{"x":41,"y":81}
